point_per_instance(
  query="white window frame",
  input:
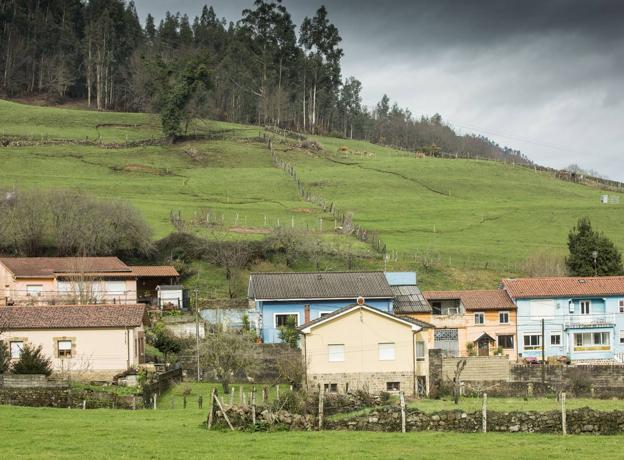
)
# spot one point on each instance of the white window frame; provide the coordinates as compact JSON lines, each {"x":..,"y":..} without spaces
{"x":34,"y":293}
{"x":293,"y":313}
{"x":59,"y":349}
{"x":420,"y":346}
{"x":396,"y":385}
{"x":500,"y":317}
{"x":18,"y":343}
{"x":335,"y":352}
{"x":552,"y":336}
{"x":593,"y":346}
{"x":588,"y":304}
{"x":386,"y":351}
{"x":532,"y":347}
{"x":481,"y":314}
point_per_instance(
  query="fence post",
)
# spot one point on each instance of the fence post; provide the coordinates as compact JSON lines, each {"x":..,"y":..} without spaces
{"x":320,"y":408}
{"x":212,"y":408}
{"x":232,"y":391}
{"x":200,"y":402}
{"x":184,"y":401}
{"x":253,"y":406}
{"x":402,"y":413}
{"x":564,"y":422}
{"x":240,"y":395}
{"x":133,"y":402}
{"x":277,"y":392}
{"x":84,"y":404}
{"x":484,"y":412}
{"x":154,"y":397}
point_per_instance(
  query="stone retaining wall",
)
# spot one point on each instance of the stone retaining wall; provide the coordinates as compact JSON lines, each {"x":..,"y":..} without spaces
{"x":373,"y":382}
{"x":478,"y":368}
{"x":51,"y":397}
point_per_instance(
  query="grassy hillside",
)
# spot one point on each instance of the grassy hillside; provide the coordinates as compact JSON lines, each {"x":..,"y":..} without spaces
{"x":457,"y":222}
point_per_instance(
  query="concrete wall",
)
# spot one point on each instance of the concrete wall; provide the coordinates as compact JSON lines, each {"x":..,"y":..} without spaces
{"x":478,"y":368}
{"x":97,"y":354}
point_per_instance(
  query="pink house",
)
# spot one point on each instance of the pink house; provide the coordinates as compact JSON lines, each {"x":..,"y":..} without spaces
{"x":73,"y":280}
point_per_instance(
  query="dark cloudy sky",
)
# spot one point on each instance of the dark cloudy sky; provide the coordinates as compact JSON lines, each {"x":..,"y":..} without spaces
{"x":545,"y":77}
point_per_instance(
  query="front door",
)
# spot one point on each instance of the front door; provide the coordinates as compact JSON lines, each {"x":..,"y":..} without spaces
{"x":484,"y":347}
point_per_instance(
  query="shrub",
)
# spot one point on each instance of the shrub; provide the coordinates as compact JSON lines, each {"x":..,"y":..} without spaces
{"x":32,"y":361}
{"x":5,"y":357}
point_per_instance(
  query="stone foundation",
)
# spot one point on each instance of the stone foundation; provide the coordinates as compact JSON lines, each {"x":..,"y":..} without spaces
{"x":372,"y":382}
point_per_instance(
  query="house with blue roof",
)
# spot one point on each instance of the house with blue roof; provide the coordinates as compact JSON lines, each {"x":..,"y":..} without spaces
{"x":309,"y":296}
{"x":579,"y":318}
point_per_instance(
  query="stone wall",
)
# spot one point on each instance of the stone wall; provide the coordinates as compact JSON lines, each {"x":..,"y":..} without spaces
{"x":373,"y":382}
{"x":388,"y":419}
{"x":57,"y":397}
{"x":478,"y":368}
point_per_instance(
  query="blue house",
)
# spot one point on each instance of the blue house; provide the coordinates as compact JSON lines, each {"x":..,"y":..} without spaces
{"x":308,"y":296}
{"x":578,"y":318}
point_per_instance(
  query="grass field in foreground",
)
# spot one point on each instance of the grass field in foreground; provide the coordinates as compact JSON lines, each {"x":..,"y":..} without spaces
{"x":45,"y":433}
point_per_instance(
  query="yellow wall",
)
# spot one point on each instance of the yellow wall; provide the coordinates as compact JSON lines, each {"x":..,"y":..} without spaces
{"x":361,"y":331}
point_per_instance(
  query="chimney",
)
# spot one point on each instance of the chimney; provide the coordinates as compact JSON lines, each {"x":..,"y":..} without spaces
{"x":306,"y":313}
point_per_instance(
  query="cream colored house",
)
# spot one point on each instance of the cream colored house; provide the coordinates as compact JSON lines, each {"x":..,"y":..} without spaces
{"x":88,"y":342}
{"x":359,"y":346}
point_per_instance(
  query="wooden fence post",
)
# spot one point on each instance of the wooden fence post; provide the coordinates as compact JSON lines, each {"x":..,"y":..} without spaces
{"x":320,"y":408}
{"x":277,"y":392}
{"x":227,"y":419}
{"x":200,"y":402}
{"x":133,"y":402}
{"x":240,"y":394}
{"x":154,"y":396}
{"x":564,"y":422}
{"x":265,"y":394}
{"x":212,"y":408}
{"x":184,"y":401}
{"x":253,"y":406}
{"x":232,"y":391}
{"x":84,"y":404}
{"x":402,"y":413}
{"x":484,"y":412}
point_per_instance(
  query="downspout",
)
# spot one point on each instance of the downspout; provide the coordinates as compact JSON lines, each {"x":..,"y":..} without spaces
{"x":128,"y":347}
{"x":414,"y":364}
{"x":305,"y":359}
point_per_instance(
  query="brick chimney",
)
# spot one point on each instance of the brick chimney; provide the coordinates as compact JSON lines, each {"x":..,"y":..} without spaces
{"x":306,"y":313}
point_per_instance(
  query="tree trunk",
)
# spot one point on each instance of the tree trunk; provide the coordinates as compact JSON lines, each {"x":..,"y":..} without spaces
{"x":279,"y":93}
{"x":89,"y":73}
{"x":304,"y":100}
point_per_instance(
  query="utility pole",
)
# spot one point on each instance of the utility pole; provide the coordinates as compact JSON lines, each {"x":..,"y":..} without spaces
{"x":197,"y":333}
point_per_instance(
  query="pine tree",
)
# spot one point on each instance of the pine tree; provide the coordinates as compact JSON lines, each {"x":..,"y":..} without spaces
{"x":591,"y":252}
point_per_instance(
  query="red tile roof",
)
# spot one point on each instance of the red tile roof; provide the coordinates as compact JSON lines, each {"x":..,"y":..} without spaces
{"x":72,"y":316}
{"x":496,"y":299}
{"x":564,"y":286}
{"x":155,"y":271}
{"x":48,"y":267}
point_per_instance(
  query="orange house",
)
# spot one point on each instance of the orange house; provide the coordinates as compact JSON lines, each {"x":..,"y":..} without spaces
{"x":475,"y":322}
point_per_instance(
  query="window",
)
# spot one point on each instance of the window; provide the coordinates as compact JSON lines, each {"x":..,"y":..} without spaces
{"x":506,"y":341}
{"x":479,"y":318}
{"x":588,"y":341}
{"x":420,"y":351}
{"x":282,"y":319}
{"x":331,"y":387}
{"x":555,"y":339}
{"x":585,"y":307}
{"x":621,"y":306}
{"x":34,"y":289}
{"x":336,"y":352}
{"x":17,"y":346}
{"x":393,"y":386}
{"x":386,"y":351}
{"x":533,"y":342}
{"x":64,"y":348}
{"x":621,"y":335}
{"x":503,"y":317}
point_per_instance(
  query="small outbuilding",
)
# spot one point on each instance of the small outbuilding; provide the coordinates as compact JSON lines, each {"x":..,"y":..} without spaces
{"x":172,"y":296}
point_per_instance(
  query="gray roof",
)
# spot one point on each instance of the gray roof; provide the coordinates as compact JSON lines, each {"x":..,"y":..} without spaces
{"x":409,"y":299}
{"x":318,"y":285}
{"x":417,"y":322}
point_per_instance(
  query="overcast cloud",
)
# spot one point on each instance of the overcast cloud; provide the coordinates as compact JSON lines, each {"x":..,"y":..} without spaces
{"x":545,"y":77}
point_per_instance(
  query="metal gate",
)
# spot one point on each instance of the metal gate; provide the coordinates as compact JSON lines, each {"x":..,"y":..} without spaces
{"x":447,"y":341}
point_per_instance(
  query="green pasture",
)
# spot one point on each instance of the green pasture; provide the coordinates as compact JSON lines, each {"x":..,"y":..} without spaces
{"x":44,"y":433}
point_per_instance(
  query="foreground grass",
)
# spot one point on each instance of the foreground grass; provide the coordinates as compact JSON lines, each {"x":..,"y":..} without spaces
{"x":104,"y":433}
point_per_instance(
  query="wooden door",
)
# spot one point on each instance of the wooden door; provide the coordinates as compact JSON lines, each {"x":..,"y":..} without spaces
{"x":484,"y":347}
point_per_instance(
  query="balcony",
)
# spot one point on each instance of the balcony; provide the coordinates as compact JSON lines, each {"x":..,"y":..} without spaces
{"x":589,"y":321}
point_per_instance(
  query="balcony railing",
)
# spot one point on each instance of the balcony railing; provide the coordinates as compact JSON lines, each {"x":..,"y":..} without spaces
{"x":597,"y":319}
{"x":57,"y":298}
